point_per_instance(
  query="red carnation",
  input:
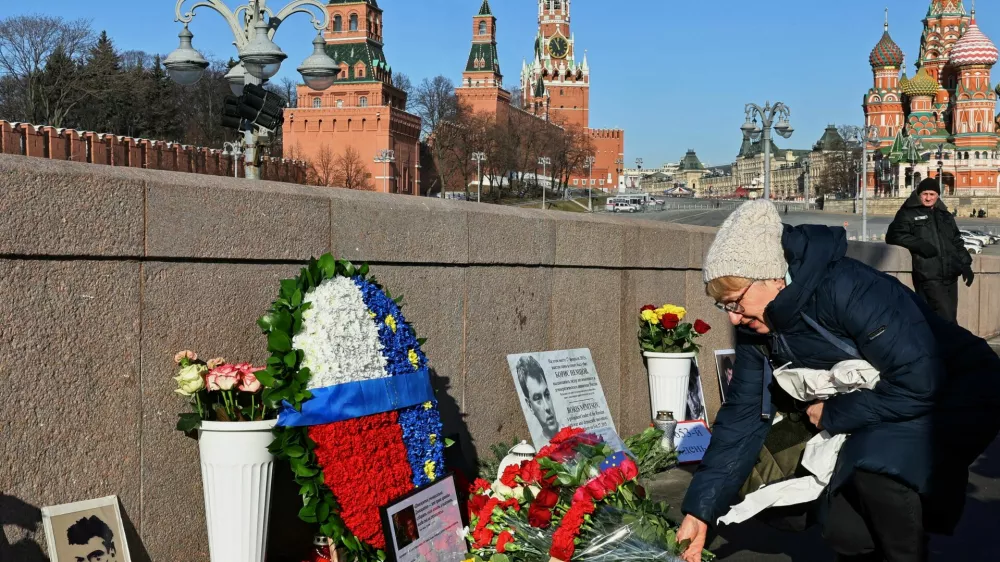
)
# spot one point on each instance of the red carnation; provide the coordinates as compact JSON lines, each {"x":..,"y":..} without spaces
{"x":565,"y":434}
{"x":629,"y":469}
{"x":503,"y":540}
{"x":546,"y":499}
{"x":482,"y":537}
{"x":477,"y":503}
{"x":480,"y":486}
{"x":647,"y":307}
{"x":669,"y":321}
{"x":562,"y":546}
{"x":701,"y":327}
{"x":510,"y":474}
{"x":582,"y":494}
{"x":531,"y":472}
{"x":539,"y":517}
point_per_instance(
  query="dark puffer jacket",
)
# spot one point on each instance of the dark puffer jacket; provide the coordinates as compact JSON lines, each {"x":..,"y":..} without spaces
{"x":931,"y":415}
{"x":932,"y":237}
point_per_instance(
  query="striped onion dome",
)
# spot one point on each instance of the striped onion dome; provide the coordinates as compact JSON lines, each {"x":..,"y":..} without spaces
{"x":974,"y":48}
{"x":922,"y":84}
{"x":887,"y":53}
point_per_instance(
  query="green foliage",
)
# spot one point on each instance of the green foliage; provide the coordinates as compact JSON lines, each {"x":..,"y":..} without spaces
{"x":650,"y":456}
{"x":288,"y":382}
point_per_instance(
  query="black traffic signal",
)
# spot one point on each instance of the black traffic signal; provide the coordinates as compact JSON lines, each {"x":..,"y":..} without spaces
{"x":231,"y":118}
{"x":262,"y":108}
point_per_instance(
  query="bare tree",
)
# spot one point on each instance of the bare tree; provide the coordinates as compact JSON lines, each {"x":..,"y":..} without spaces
{"x":516,"y":97}
{"x":840,"y":165}
{"x":27,"y":42}
{"x":435,"y":102}
{"x":351,"y":172}
{"x":404,"y":83}
{"x":322,"y":167}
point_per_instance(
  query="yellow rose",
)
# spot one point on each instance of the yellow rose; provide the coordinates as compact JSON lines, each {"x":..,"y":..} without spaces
{"x":678,"y":311}
{"x":190,"y":380}
{"x":650,"y":316}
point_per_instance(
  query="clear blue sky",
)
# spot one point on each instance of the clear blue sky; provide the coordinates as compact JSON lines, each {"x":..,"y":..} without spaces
{"x":675,"y":75}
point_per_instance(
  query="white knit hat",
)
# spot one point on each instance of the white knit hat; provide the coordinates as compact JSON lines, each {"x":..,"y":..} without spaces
{"x":748,"y":245}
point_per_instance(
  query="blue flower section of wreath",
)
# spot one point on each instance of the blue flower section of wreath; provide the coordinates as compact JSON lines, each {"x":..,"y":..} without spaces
{"x":396,"y":344}
{"x":419,"y":424}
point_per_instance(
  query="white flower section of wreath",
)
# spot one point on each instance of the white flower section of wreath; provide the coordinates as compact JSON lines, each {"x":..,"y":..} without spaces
{"x":338,"y":336}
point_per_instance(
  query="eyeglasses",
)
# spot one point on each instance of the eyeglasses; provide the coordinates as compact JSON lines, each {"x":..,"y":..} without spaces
{"x":735,"y":307}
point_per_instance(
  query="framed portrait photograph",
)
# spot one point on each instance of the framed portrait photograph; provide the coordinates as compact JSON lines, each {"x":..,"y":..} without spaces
{"x":725,"y":362}
{"x":87,"y":531}
{"x":425,"y":525}
{"x":695,"y":409}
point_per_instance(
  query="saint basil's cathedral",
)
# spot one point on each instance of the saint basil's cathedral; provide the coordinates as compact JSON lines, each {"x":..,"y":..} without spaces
{"x":942,"y":119}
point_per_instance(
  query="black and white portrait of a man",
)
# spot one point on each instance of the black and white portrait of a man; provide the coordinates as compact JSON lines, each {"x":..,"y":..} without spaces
{"x":89,"y":531}
{"x":537,"y":397}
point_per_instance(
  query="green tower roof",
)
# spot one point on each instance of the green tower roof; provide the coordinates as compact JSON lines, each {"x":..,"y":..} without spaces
{"x":691,"y":162}
{"x":485,"y":10}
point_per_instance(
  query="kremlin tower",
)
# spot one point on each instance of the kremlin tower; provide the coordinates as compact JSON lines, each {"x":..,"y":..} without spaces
{"x":948,"y":106}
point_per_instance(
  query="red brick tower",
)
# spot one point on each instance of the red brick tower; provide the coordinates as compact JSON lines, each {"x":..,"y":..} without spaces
{"x":556,"y":80}
{"x":482,"y":82}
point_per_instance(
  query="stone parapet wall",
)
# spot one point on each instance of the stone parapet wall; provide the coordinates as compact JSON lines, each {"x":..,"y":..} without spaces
{"x":107,"y":272}
{"x":24,"y":139}
{"x":889,"y":205}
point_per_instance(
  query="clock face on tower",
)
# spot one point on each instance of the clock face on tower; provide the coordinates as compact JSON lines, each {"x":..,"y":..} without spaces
{"x":558,"y":47}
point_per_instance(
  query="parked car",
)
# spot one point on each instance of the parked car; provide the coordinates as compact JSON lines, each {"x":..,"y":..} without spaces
{"x":973,"y":248}
{"x":622,"y":207}
{"x":973,"y":241}
{"x":982,"y":238}
{"x":993,"y":237}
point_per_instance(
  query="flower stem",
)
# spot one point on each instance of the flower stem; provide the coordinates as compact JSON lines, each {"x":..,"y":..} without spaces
{"x":201,"y":411}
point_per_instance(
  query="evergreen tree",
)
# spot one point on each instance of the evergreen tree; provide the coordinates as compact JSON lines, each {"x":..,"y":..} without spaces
{"x":103,"y":84}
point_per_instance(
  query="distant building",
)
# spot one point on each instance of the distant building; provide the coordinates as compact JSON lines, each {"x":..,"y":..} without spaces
{"x":363,"y":109}
{"x":945,"y":113}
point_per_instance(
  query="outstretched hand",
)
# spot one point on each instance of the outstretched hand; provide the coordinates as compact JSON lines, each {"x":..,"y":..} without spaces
{"x":815,"y":413}
{"x":696,"y":531}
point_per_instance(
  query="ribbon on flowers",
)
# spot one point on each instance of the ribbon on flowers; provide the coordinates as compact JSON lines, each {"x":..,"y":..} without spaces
{"x":357,"y":399}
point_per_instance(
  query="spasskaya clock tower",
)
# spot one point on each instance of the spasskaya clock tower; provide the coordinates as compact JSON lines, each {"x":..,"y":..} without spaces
{"x":556,"y":84}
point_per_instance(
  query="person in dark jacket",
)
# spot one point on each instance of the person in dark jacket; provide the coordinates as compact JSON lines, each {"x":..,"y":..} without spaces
{"x":925,"y":227}
{"x":795,"y":298}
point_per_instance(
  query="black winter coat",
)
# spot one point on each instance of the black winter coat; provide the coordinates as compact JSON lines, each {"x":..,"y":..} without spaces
{"x":932,"y":237}
{"x":932,"y":414}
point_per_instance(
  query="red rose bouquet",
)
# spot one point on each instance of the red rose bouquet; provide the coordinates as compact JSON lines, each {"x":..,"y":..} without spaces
{"x":576,"y":500}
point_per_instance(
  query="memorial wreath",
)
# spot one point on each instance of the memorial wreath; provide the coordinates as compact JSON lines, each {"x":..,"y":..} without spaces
{"x":357,"y":417}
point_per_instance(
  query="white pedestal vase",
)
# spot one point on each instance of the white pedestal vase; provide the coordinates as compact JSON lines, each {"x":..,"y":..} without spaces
{"x":669,"y":375}
{"x":236,"y":470}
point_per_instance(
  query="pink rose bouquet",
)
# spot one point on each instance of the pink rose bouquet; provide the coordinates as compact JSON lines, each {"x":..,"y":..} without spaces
{"x":219,"y":391}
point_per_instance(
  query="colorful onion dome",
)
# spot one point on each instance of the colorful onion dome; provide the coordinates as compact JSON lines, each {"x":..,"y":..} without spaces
{"x":886,"y":53}
{"x":922,"y":84}
{"x":974,"y":48}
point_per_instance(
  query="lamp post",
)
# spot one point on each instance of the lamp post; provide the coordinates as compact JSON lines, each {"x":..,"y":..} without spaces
{"x":385,"y":157}
{"x":619,"y":163}
{"x":753,"y":131}
{"x":590,"y":181}
{"x":545,"y":162}
{"x":253,"y":26}
{"x":808,"y":166}
{"x":479,"y":158}
{"x":638,"y":165}
{"x":235,"y":150}
{"x":866,"y":136}
{"x":940,"y":170}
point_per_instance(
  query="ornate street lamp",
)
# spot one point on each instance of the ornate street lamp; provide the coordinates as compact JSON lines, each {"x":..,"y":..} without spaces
{"x":253,"y":26}
{"x":590,"y":182}
{"x":866,"y":136}
{"x":479,"y":158}
{"x":544,"y":162}
{"x":753,"y":131}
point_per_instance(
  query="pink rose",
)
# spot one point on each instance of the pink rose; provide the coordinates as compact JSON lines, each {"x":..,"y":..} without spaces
{"x":224,"y":377}
{"x":248,"y":382}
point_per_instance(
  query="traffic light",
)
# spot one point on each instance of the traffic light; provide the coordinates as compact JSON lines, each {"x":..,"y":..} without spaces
{"x":231,"y":118}
{"x":262,"y":108}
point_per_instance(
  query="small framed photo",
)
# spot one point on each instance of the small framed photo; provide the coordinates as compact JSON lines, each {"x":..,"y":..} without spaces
{"x":426,"y":524}
{"x":725,"y":362}
{"x":86,"y":531}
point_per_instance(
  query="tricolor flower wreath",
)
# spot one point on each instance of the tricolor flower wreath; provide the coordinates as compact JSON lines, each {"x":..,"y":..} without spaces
{"x":357,"y":418}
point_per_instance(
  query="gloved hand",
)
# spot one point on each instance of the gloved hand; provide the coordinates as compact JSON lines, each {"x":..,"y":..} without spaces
{"x":968,"y":276}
